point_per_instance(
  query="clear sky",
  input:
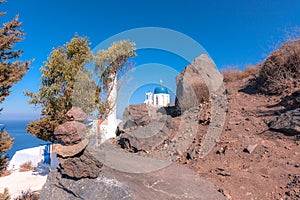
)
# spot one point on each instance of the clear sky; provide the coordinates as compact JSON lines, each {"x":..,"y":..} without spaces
{"x":234,"y":32}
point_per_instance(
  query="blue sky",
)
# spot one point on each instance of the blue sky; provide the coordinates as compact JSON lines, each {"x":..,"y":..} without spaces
{"x":234,"y":32}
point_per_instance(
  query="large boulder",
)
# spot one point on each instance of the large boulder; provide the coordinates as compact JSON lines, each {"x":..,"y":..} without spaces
{"x":288,"y":122}
{"x":196,"y":82}
{"x":137,"y":115}
{"x":69,"y":133}
{"x":147,"y":137}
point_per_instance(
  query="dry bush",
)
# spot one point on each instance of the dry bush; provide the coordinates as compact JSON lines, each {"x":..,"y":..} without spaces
{"x":200,"y":89}
{"x":233,"y":74}
{"x":28,"y":195}
{"x":191,"y":89}
{"x":25,"y":167}
{"x":6,"y":173}
{"x":281,"y":71}
{"x":5,"y":195}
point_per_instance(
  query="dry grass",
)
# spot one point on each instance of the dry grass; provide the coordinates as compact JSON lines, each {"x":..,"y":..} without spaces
{"x":25,"y":167}
{"x":5,"y":195}
{"x":233,"y":74}
{"x":281,"y":71}
{"x":200,"y":89}
{"x":28,"y":195}
{"x":6,"y":173}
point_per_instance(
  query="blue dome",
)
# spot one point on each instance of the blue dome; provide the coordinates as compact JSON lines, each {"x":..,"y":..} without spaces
{"x":161,"y":90}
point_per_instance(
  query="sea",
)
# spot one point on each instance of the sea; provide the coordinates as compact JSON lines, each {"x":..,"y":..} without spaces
{"x":23,"y":140}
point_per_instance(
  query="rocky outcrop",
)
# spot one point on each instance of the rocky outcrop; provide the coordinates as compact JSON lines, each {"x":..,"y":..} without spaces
{"x":144,"y":127}
{"x":196,"y":82}
{"x":148,"y":137}
{"x":137,"y":115}
{"x":288,"y":122}
{"x":76,"y":161}
{"x":171,"y":182}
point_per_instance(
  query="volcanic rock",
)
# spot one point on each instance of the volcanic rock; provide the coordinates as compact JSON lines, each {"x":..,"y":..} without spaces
{"x":138,"y":115}
{"x":70,"y":132}
{"x":288,"y":122}
{"x":170,"y":182}
{"x":196,"y":82}
{"x":77,"y":114}
{"x":83,"y":166}
{"x":148,"y":137}
{"x":69,"y":151}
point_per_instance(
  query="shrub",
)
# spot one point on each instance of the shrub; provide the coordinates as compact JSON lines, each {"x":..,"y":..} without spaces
{"x":6,"y":173}
{"x":5,"y":195}
{"x":281,"y":71}
{"x":233,"y":74}
{"x":26,"y":167}
{"x":28,"y":195}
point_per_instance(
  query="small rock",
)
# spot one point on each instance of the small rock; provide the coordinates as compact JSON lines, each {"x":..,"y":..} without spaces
{"x":224,"y":193}
{"x":222,"y":150}
{"x":77,"y":114}
{"x":222,"y":172}
{"x":68,"y":151}
{"x":190,"y":155}
{"x":250,"y":148}
{"x":227,"y":91}
{"x":235,"y":123}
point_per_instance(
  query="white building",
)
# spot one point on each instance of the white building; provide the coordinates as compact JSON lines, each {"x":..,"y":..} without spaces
{"x":160,"y":97}
{"x":35,"y":155}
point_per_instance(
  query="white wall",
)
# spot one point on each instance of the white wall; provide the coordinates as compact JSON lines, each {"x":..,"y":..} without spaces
{"x":161,"y":100}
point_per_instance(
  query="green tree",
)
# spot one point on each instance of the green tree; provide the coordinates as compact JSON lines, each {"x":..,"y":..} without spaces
{"x":66,"y":82}
{"x":11,"y":71}
{"x":58,"y":78}
{"x":110,"y":65}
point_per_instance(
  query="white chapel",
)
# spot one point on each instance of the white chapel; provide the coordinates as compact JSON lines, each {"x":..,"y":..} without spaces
{"x":159,"y":98}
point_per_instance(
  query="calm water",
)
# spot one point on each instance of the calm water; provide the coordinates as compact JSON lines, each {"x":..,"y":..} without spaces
{"x":23,"y":140}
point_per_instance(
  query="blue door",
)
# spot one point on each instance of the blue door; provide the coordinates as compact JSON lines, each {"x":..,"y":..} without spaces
{"x":47,"y":154}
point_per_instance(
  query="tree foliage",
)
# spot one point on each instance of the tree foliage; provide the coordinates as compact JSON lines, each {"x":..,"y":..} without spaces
{"x":12,"y":70}
{"x":108,"y":65}
{"x":58,"y":78}
{"x":66,"y":82}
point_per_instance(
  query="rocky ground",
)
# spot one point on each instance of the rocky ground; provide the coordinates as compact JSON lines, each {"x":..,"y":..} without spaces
{"x":250,"y":161}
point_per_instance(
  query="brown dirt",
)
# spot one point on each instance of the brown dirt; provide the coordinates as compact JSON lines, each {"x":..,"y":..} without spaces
{"x":271,"y":171}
